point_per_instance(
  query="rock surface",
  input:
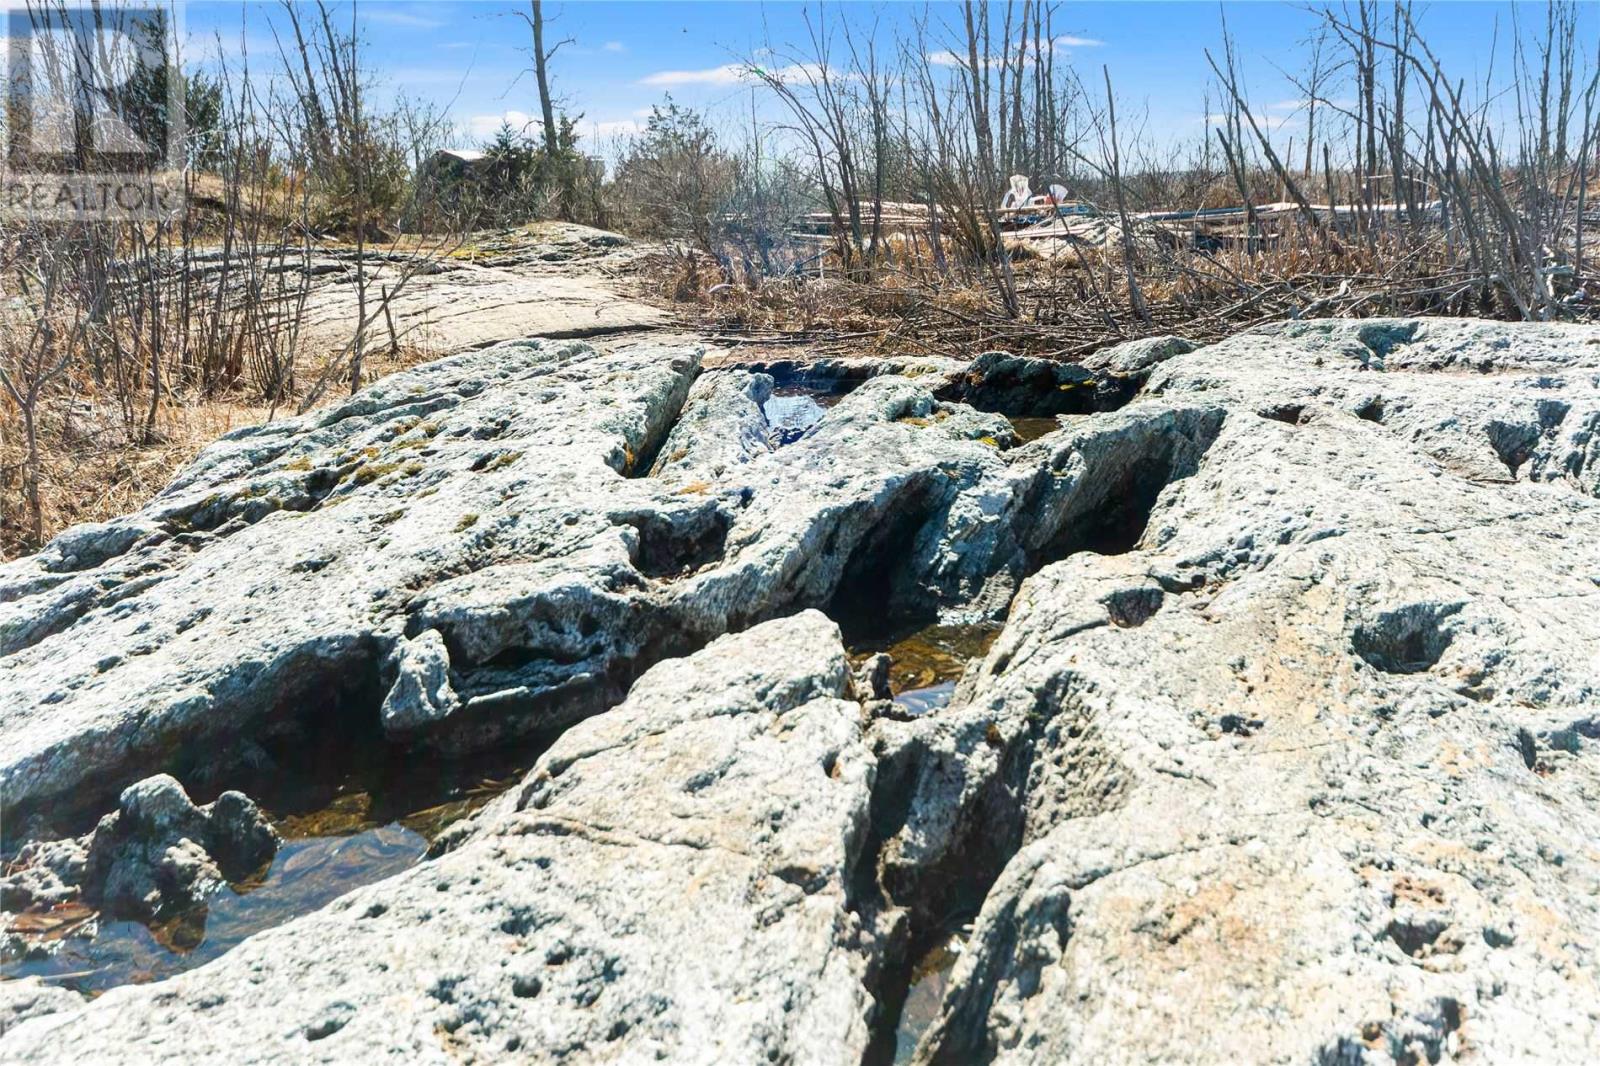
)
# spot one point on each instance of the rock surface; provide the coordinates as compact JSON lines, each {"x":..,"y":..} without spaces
{"x":32,"y":998}
{"x":1285,"y":754}
{"x":672,"y":883}
{"x":722,"y":426}
{"x":274,"y":578}
{"x":421,"y":693}
{"x":1306,"y":777}
{"x":156,"y":853}
{"x":548,"y":280}
{"x":1035,"y":388}
{"x":296,"y":570}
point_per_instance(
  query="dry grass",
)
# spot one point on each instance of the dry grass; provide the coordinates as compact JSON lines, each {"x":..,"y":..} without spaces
{"x":93,"y":469}
{"x":98,"y":457}
{"x":1072,"y":296}
{"x":90,"y":472}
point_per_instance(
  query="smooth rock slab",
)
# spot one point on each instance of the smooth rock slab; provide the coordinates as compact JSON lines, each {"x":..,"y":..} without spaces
{"x":31,"y":997}
{"x":549,"y":280}
{"x":1489,"y":402}
{"x":672,"y":883}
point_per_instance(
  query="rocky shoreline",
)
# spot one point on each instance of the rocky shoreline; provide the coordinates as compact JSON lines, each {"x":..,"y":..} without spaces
{"x":1284,"y":751}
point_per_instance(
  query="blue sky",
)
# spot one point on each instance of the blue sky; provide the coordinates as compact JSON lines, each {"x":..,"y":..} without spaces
{"x":624,"y":56}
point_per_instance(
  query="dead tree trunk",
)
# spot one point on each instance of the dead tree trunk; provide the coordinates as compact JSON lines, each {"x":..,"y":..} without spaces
{"x":542,"y":76}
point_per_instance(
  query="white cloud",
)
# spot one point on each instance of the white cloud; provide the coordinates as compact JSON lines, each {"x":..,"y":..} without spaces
{"x":734,"y":74}
{"x":727,"y":74}
{"x":946,"y":58}
{"x":613,"y":46}
{"x":400,"y":18}
{"x":797,"y":71}
{"x":485,"y":126}
{"x":1069,"y":41}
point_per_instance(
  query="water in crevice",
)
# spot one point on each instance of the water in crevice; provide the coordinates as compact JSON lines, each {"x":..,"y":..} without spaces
{"x":1031,"y":429}
{"x":351,"y":811}
{"x":930,"y":976}
{"x":793,"y":409}
{"x":926,"y":663}
{"x":96,"y":954}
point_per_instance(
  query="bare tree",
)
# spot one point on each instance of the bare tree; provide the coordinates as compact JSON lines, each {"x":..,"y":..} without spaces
{"x":541,"y":73}
{"x":30,"y":368}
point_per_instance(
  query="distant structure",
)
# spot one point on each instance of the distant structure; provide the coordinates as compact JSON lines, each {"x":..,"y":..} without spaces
{"x":453,"y":164}
{"x":450,"y":181}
